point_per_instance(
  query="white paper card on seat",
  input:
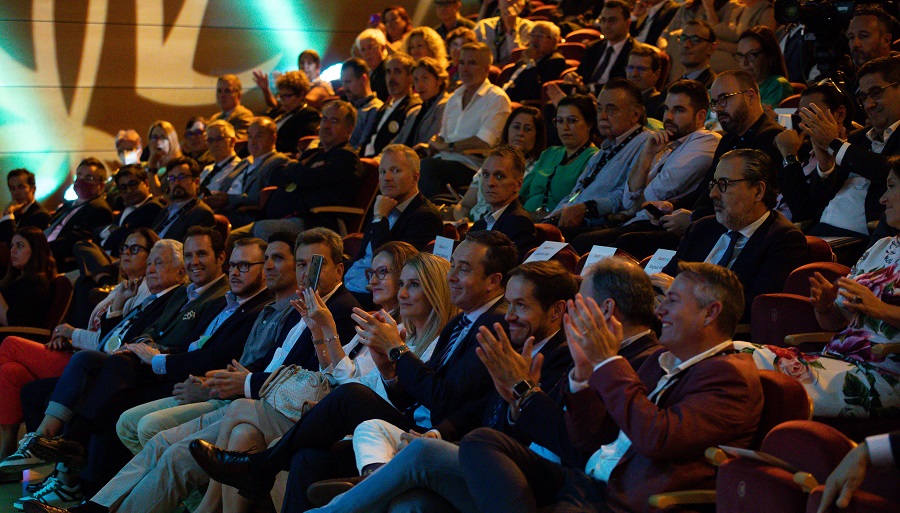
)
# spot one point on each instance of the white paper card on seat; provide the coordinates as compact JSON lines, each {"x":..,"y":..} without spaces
{"x":546,"y":251}
{"x":443,"y":247}
{"x":597,"y":253}
{"x":659,"y":260}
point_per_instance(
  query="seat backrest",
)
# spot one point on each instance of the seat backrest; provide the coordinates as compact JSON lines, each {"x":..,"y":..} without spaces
{"x":61,"y":300}
{"x":506,"y":72}
{"x":566,"y":256}
{"x":547,"y":232}
{"x":304,"y":142}
{"x":223,"y":225}
{"x":775,"y":316}
{"x":784,"y":399}
{"x":265,"y":194}
{"x":450,"y":231}
{"x":494,"y":74}
{"x":352,"y":242}
{"x":585,"y":35}
{"x":368,"y":189}
{"x":791,"y":102}
{"x":798,"y":281}
{"x":664,"y":64}
{"x":571,"y":50}
{"x":810,"y":446}
{"x":819,"y":250}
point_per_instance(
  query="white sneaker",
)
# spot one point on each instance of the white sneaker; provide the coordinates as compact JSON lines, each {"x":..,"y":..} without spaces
{"x":22,"y":459}
{"x":54,"y":493}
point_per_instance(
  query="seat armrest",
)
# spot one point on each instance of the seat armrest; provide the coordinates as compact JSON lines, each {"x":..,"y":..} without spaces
{"x":35,"y":334}
{"x":672,"y":499}
{"x":818,"y":337}
{"x":886,"y":349}
{"x":336,"y":209}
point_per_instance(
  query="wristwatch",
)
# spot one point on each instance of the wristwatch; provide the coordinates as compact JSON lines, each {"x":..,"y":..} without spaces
{"x":835,"y":145}
{"x":451,"y":146}
{"x":789,"y":160}
{"x":522,"y":388}
{"x":396,"y":352}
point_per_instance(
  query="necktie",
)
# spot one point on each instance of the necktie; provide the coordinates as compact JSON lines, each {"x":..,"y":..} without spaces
{"x":212,"y":174}
{"x":455,"y":338}
{"x":729,"y":251}
{"x":113,"y":340}
{"x":604,"y":62}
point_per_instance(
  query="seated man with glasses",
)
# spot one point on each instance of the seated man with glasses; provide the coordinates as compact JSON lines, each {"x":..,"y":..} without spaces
{"x":220,"y":138}
{"x":195,"y":144}
{"x":185,"y":208}
{"x":698,"y":43}
{"x":746,"y":235}
{"x":852,"y":173}
{"x":644,"y":67}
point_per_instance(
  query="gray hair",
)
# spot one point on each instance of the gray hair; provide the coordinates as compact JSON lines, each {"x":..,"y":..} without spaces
{"x":401,"y":150}
{"x":628,"y":285}
{"x":173,"y":246}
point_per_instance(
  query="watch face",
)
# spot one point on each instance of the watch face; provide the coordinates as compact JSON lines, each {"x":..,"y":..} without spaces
{"x":522,"y":388}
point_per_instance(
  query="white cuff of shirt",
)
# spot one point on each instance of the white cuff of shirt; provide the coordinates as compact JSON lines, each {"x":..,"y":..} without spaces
{"x":438,"y":433}
{"x":247,"y":392}
{"x":879,"y":447}
{"x":390,"y":383}
{"x":158,"y":362}
{"x":839,"y":156}
{"x":577,"y":386}
{"x":8,"y":217}
{"x":823,"y":174}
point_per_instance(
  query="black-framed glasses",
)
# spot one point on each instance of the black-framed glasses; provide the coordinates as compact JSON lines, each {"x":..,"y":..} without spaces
{"x":243,"y":266}
{"x":749,"y":56}
{"x":722,"y":100}
{"x":876,"y":94}
{"x":179,"y":178}
{"x":694,"y":40}
{"x":723,"y":183}
{"x":130,"y":186}
{"x":133,"y":249}
{"x":382,"y":273}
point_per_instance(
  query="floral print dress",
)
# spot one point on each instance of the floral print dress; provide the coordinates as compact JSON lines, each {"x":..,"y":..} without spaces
{"x":847,"y":379}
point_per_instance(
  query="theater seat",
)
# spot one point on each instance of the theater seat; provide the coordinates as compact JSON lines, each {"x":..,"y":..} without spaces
{"x":57,"y":312}
{"x":350,"y":218}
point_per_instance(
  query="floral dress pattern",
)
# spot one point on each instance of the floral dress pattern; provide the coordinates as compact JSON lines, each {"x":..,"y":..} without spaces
{"x":847,"y":379}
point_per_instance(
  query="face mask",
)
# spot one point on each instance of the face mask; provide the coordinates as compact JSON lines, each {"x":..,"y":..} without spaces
{"x":84,"y":189}
{"x":129,"y":157}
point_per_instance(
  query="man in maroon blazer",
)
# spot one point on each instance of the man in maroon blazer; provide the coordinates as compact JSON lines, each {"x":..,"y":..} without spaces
{"x":647,"y":429}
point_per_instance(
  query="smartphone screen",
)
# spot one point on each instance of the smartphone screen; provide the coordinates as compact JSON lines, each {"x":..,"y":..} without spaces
{"x":653,"y":211}
{"x":312,"y":274}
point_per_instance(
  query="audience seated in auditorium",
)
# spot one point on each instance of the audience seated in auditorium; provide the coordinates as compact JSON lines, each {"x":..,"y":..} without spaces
{"x":455,"y":40}
{"x":320,"y":89}
{"x":539,"y":63}
{"x":501,"y":180}
{"x":326,"y":175}
{"x":24,"y":210}
{"x":504,"y":33}
{"x":849,"y":378}
{"x":650,"y":18}
{"x":697,"y":43}
{"x":294,"y":117}
{"x":195,"y":145}
{"x":400,"y":213}
{"x":397,"y":25}
{"x":524,"y":130}
{"x":371,"y":47}
{"x":75,"y":220}
{"x":425,"y":42}
{"x":643,"y":69}
{"x":473,"y":120}
{"x":671,"y":166}
{"x":720,"y":15}
{"x":757,"y":243}
{"x":758,"y":54}
{"x":239,"y":199}
{"x":448,"y":14}
{"x":228,"y":98}
{"x":394,"y":114}
{"x":129,"y":147}
{"x":185,"y":208}
{"x":220,"y":137}
{"x":358,"y":91}
{"x":424,"y":121}
{"x":607,"y":58}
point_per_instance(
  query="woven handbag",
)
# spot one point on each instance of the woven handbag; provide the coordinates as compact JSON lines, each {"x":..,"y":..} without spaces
{"x":293,"y":390}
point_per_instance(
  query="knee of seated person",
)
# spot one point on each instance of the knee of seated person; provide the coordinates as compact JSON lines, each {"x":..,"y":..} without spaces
{"x":126,"y":428}
{"x":149,"y":426}
{"x":479,"y":438}
{"x":245,"y":437}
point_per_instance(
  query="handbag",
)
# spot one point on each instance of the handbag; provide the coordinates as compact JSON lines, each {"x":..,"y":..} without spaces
{"x":293,"y":390}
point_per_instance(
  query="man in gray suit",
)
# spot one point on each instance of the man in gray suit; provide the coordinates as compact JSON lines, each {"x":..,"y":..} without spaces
{"x":240,"y":190}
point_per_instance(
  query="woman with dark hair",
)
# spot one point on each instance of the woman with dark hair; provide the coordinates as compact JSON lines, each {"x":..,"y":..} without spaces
{"x":397,"y":25}
{"x":558,"y":167}
{"x":525,"y":130}
{"x":23,"y":361}
{"x":455,"y":40}
{"x":424,"y":122}
{"x":195,"y":145}
{"x":293,"y":116}
{"x":320,"y":89}
{"x":758,"y":53}
{"x":25,"y":290}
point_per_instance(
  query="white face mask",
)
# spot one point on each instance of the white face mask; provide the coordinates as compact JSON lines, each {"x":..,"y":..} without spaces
{"x":129,"y":157}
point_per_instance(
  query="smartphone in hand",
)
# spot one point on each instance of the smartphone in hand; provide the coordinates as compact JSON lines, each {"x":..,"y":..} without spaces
{"x":654,"y":211}
{"x":312,"y":274}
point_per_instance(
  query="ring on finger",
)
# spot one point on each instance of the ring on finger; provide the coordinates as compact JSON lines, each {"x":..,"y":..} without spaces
{"x":857,"y":299}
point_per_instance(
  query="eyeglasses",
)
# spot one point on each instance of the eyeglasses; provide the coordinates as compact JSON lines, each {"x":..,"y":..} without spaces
{"x":723,"y":183}
{"x":213,"y":140}
{"x":88,"y":179}
{"x":694,"y":40}
{"x":639,"y":69}
{"x":749,"y":56}
{"x":722,"y":100}
{"x":130,"y":186}
{"x":243,"y":267}
{"x":178,"y":178}
{"x":382,"y":273}
{"x":133,"y":249}
{"x":571,"y":120}
{"x":875,"y":94}
{"x":192,"y":133}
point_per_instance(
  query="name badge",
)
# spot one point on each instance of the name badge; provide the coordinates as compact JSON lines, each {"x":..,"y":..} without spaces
{"x":291,"y":187}
{"x":188,"y":316}
{"x":393,"y":127}
{"x":318,"y":164}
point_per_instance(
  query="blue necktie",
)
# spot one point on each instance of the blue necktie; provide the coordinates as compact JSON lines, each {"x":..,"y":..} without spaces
{"x":729,"y":251}
{"x":455,"y":338}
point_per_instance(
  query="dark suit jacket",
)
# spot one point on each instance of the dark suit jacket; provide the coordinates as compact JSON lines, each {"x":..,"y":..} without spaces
{"x":528,"y":84}
{"x":251,"y":187}
{"x":717,"y":401}
{"x":174,"y":326}
{"x":418,"y":225}
{"x":776,"y":248}
{"x":378,"y":80}
{"x":341,"y":305}
{"x":543,"y":419}
{"x":444,"y":389}
{"x":593,"y":54}
{"x":653,"y":103}
{"x":142,"y":217}
{"x":225,"y":344}
{"x":860,"y":159}
{"x":303,"y":122}
{"x":760,"y":136}
{"x":144,"y":320}
{"x":390,"y":128}
{"x":90,"y":215}
{"x":515,"y":223}
{"x":659,"y":22}
{"x":197,"y":213}
{"x":319,"y":178}
{"x":35,"y":215}
{"x":240,"y":118}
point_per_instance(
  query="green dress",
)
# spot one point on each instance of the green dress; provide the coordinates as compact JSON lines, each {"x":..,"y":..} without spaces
{"x":548,"y":173}
{"x":774,"y":89}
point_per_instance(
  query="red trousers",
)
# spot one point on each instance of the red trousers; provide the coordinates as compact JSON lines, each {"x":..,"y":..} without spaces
{"x":21,"y":362}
